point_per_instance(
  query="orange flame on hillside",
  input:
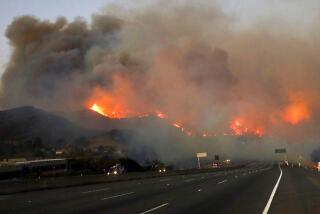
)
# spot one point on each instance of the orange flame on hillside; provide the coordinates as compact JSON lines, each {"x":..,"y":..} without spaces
{"x":241,"y":127}
{"x":98,"y":109}
{"x":161,"y":115}
{"x":296,"y":112}
{"x":112,"y":114}
{"x":237,"y":127}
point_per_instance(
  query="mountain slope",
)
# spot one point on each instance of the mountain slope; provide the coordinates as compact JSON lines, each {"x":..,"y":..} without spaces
{"x":27,"y":122}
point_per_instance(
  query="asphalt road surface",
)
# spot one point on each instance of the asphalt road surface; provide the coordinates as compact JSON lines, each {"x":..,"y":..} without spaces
{"x":257,"y":188}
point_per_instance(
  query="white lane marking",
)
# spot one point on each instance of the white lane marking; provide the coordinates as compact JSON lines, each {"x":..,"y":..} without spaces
{"x":267,"y":207}
{"x":116,"y":196}
{"x":221,"y":182}
{"x":155,"y":208}
{"x":95,"y":190}
{"x":167,"y":179}
{"x":188,"y":180}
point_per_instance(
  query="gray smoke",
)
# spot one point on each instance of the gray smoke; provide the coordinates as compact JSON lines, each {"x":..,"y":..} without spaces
{"x":185,"y":59}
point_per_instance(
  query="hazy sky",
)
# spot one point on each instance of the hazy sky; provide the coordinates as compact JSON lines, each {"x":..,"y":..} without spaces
{"x":44,"y":9}
{"x":298,"y":13}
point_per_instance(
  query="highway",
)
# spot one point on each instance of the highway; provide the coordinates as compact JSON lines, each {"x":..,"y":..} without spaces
{"x":246,"y":190}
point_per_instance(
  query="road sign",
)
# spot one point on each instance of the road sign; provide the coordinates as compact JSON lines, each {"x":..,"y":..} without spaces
{"x":277,"y":151}
{"x":201,"y":155}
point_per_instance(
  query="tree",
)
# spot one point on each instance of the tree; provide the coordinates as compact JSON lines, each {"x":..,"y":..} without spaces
{"x":37,"y":143}
{"x":80,"y":143}
{"x":130,"y":165}
{"x":60,"y":142}
{"x":315,"y":155}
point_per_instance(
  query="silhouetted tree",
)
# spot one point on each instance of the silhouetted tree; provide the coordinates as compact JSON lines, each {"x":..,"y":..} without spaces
{"x":315,"y":155}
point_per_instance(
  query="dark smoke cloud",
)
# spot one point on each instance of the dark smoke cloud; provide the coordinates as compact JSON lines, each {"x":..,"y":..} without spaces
{"x":187,"y":60}
{"x":48,"y":66}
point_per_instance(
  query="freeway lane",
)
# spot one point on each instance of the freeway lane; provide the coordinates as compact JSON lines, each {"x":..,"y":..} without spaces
{"x":298,"y":192}
{"x":176,"y":194}
{"x":244,"y":190}
{"x":58,"y":197}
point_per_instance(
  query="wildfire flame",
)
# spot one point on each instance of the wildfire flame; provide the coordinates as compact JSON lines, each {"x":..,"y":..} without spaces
{"x":112,"y":114}
{"x":161,"y":115}
{"x":98,"y":109}
{"x":176,"y":125}
{"x":296,"y":112}
{"x":236,"y":126}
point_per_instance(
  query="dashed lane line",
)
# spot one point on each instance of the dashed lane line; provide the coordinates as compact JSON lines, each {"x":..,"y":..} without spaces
{"x":95,"y":190}
{"x":155,"y":208}
{"x":117,"y":196}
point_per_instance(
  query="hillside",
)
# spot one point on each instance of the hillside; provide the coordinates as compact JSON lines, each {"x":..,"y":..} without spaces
{"x":27,"y":122}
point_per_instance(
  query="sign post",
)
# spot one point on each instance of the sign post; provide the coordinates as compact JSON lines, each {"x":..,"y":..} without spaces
{"x":201,"y":155}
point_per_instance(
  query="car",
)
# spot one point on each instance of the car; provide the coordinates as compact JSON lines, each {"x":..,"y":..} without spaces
{"x":117,"y":169}
{"x":215,"y":165}
{"x":162,"y":170}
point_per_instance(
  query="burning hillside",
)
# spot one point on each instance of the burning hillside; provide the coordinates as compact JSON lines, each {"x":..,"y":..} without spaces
{"x":236,"y":127}
{"x":187,"y":64}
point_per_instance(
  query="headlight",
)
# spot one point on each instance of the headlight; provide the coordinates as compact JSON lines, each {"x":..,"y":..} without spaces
{"x":115,"y":172}
{"x":159,"y":170}
{"x":164,"y":170}
{"x":108,"y":173}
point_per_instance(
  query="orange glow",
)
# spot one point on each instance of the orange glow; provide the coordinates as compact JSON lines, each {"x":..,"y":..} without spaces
{"x":189,"y":133}
{"x":296,"y":112}
{"x":161,"y":115}
{"x":111,"y":113}
{"x":176,"y":125}
{"x":258,"y":132}
{"x":241,"y":127}
{"x":118,"y":102}
{"x":117,"y":111}
{"x":236,"y":125}
{"x":184,"y":130}
{"x":98,"y":109}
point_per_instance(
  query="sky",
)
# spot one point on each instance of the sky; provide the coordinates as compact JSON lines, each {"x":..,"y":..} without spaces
{"x":297,"y":13}
{"x":43,"y":9}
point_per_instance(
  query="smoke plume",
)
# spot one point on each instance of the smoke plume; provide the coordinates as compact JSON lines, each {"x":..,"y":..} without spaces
{"x":186,"y":60}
